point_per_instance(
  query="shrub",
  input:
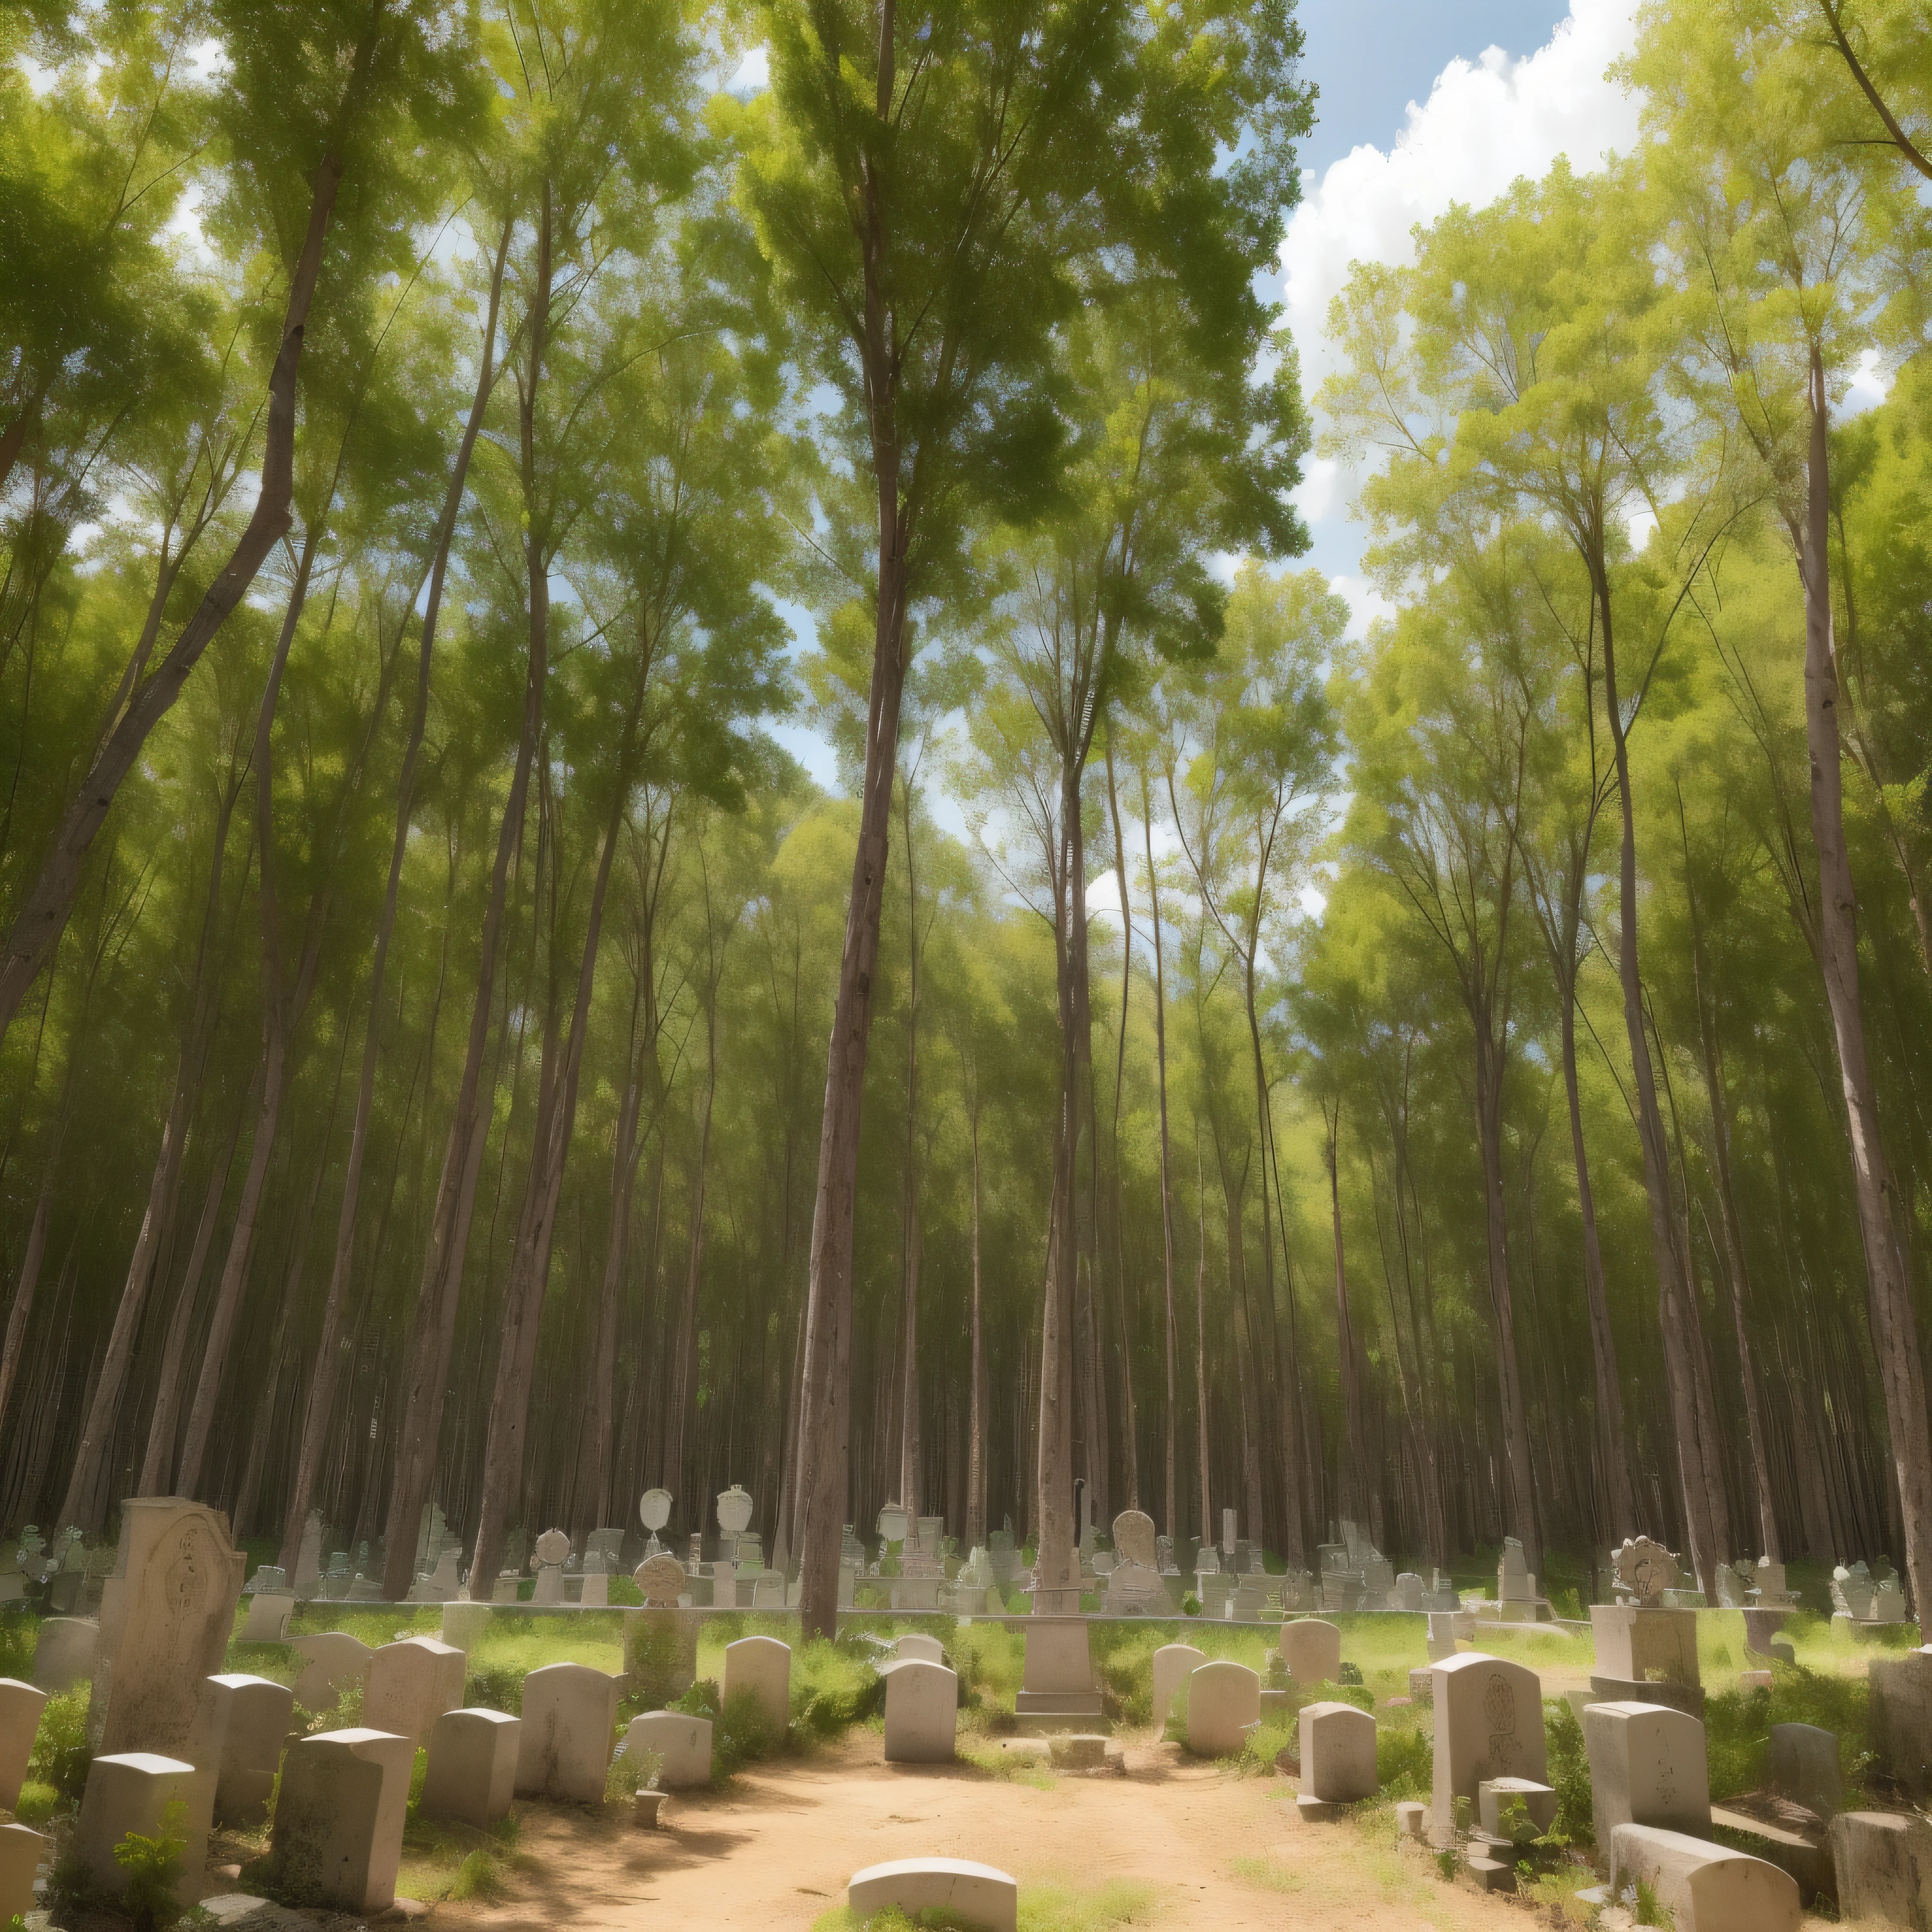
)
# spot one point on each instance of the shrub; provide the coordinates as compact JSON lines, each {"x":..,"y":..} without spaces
{"x":1404,"y":1762}
{"x":1568,"y":1772}
{"x":630,"y":1772}
{"x":151,"y":1897}
{"x":61,"y":1755}
{"x":495,"y":1687}
{"x":37,"y":1803}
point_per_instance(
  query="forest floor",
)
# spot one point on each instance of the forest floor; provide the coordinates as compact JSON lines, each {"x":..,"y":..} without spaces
{"x":1173,"y":1843}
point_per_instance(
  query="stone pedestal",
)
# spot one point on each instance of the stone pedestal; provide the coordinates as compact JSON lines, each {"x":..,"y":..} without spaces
{"x":472,"y":1774}
{"x":1688,"y":1698}
{"x":1056,"y":1691}
{"x":338,"y":1839}
{"x":1884,"y":1864}
{"x":1639,"y":1646}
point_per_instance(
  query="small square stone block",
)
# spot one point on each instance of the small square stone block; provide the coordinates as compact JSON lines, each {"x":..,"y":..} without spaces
{"x":1412,"y":1818}
{"x":1496,"y":1798}
{"x":129,"y":1791}
{"x":1077,"y":1750}
{"x":252,"y":1727}
{"x":1707,"y":1887}
{"x":471,"y":1775}
{"x":682,"y":1745}
{"x":20,"y":1707}
{"x":564,"y":1750}
{"x":21,"y":1851}
{"x":1338,"y":1753}
{"x":981,"y":1895}
{"x":338,"y":1839}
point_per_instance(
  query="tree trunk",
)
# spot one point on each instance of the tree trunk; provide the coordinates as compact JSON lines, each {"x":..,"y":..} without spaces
{"x":1130,"y":1424}
{"x":433,"y":1328}
{"x":44,"y":912}
{"x":910,"y":1484}
{"x":976,"y":1424}
{"x":327,"y":1372}
{"x":1884,"y":1217}
{"x":1171,"y":1327}
{"x":1351,"y":1492}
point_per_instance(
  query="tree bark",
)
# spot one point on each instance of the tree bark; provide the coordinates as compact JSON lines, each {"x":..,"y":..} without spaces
{"x":1170,"y":1326}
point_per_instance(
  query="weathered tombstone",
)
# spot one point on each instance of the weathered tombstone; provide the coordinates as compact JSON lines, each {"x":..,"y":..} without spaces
{"x":268,"y":1619}
{"x":564,"y":1749}
{"x":1134,"y":1538}
{"x":1883,"y":1860}
{"x":1517,"y":1810}
{"x":1441,"y":1642}
{"x":653,"y":1512}
{"x":552,"y":1549}
{"x":471,"y":1775}
{"x":1407,"y":1594}
{"x":307,"y":1579}
{"x":682,"y":1745}
{"x":1899,"y":1716}
{"x":923,"y":1649}
{"x":661,"y":1640}
{"x":464,"y":1625}
{"x":20,"y":1707}
{"x":921,"y":1712}
{"x":734,"y":1517}
{"x":763,"y":1665}
{"x":166,"y":1619}
{"x":1647,"y":1767}
{"x":1312,"y":1649}
{"x":1173,"y":1664}
{"x":1224,"y":1702}
{"x":1804,"y":1767}
{"x":1227,"y":1532}
{"x":255,"y":1720}
{"x":63,"y":1651}
{"x":21,"y":1851}
{"x":130,"y":1791}
{"x":333,"y":1660}
{"x":1705,"y":1887}
{"x":410,"y":1684}
{"x":1056,"y":1682}
{"x":954,"y":1889}
{"x":1338,"y":1757}
{"x":1489,"y":1724}
{"x":339,"y":1816}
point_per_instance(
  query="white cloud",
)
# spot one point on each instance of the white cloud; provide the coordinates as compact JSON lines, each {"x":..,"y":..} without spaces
{"x":1485,"y":123}
{"x":1365,"y":602}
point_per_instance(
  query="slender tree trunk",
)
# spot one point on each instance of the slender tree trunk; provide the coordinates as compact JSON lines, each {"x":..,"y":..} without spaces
{"x":1130,"y":1425}
{"x":677,"y":1421}
{"x":1201,"y":1348}
{"x":1352,"y":1491}
{"x":326,"y":1374}
{"x":909,"y":1472}
{"x":976,"y":1425}
{"x":433,"y":1328}
{"x":43,"y":912}
{"x":1884,"y":1217}
{"x":1171,"y":1327}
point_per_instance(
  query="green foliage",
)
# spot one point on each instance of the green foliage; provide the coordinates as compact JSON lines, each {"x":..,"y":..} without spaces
{"x":1042,"y":1909}
{"x":60,"y":1754}
{"x":741,"y":1733}
{"x":36,"y":1804}
{"x":833,"y":1686}
{"x":495,"y":1687}
{"x":1647,"y":1911}
{"x":150,"y":1894}
{"x":1568,"y":1772}
{"x":630,"y":1772}
{"x":1404,"y":1762}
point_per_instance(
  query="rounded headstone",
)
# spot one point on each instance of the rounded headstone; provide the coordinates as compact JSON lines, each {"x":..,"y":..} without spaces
{"x":1133,"y":1537}
{"x":1223,"y":1699}
{"x":892,"y":1523}
{"x":661,"y":1579}
{"x":1312,"y":1649}
{"x":553,"y":1548}
{"x":654,"y":1509}
{"x":734,"y":1511}
{"x":921,"y":1711}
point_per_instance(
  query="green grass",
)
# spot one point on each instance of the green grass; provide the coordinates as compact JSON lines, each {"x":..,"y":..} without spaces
{"x":1009,"y":1767}
{"x":1042,"y":1909}
{"x":1265,"y":1873}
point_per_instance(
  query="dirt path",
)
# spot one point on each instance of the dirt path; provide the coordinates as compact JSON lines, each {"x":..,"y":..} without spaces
{"x":776,"y":1850}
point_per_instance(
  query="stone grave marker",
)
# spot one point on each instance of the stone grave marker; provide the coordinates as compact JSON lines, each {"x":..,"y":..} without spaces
{"x":957,"y":1889}
{"x":166,"y":1619}
{"x":21,"y":1851}
{"x":552,"y":1552}
{"x":1338,"y":1758}
{"x":471,"y":1774}
{"x":1312,"y":1649}
{"x":1647,"y":1767}
{"x":1804,"y":1767}
{"x":1489,"y":1724}
{"x":923,"y":1649}
{"x":258,"y":1714}
{"x":763,"y":1665}
{"x":1883,"y":1860}
{"x":129,"y":1791}
{"x":410,"y":1684}
{"x":682,"y":1743}
{"x":921,"y":1712}
{"x":1900,"y":1717}
{"x":1705,"y":1887}
{"x":332,"y":1661}
{"x":1224,"y":1700}
{"x":20,"y":1707}
{"x":338,"y":1832}
{"x":564,"y":1748}
{"x":1173,"y":1663}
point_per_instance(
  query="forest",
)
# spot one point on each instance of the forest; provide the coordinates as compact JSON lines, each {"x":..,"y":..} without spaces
{"x":453,"y":1050}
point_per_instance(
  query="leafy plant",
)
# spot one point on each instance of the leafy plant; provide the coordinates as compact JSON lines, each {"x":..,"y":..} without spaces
{"x":1648,"y":1912}
{"x":630,"y":1772}
{"x":1404,"y":1762}
{"x":151,"y":1897}
{"x":61,"y":1756}
{"x":1568,"y":1771}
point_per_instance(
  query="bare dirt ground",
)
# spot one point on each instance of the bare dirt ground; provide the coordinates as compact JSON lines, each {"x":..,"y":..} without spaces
{"x":776,"y":1850}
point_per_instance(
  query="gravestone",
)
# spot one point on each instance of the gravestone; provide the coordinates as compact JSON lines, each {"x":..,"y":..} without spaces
{"x":1899,"y":1715}
{"x":954,"y":1891}
{"x":339,"y":1816}
{"x":21,"y":1851}
{"x":1647,"y":1767}
{"x":661,"y":1640}
{"x":1804,"y":1767}
{"x":1135,"y":1590}
{"x":1441,"y":1642}
{"x":1312,"y":1649}
{"x":921,"y":1712}
{"x":1705,"y":1887}
{"x":20,"y":1707}
{"x":1134,"y":1538}
{"x":682,"y":1744}
{"x":734,"y":1518}
{"x":1224,"y":1700}
{"x":410,"y":1684}
{"x":1489,"y":1724}
{"x":922,"y":1649}
{"x":473,"y":1767}
{"x":1057,"y":1690}
{"x":553,"y":1550}
{"x":761,"y":1665}
{"x":1173,"y":1663}
{"x":64,"y":1652}
{"x":564,"y":1748}
{"x":268,"y":1619}
{"x":464,"y":1624}
{"x":166,"y":1615}
{"x":1883,"y":1860}
{"x":256,"y":1715}
{"x":332,"y":1661}
{"x":1338,"y":1758}
{"x":1515,"y":1810}
{"x":131,"y":1791}
{"x":1408,"y":1593}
